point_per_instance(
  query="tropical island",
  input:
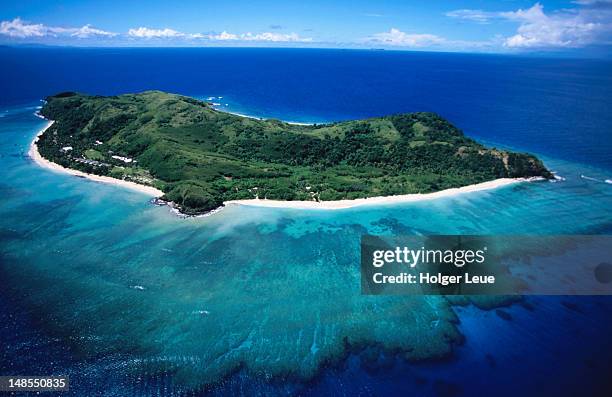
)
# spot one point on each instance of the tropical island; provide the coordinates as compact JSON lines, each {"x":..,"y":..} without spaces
{"x":199,"y":157}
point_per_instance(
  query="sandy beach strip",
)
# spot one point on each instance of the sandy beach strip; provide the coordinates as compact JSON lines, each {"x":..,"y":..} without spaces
{"x":38,"y":159}
{"x":387,"y":200}
{"x":324,"y":205}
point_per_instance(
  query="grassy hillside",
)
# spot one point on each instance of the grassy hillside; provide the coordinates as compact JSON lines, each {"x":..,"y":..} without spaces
{"x":201,"y":157}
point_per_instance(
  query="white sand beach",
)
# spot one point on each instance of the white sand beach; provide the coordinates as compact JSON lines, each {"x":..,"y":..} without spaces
{"x":327,"y":205}
{"x":387,"y":200}
{"x":38,"y":159}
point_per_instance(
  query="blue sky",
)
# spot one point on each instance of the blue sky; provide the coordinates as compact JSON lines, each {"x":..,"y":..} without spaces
{"x":576,"y":26}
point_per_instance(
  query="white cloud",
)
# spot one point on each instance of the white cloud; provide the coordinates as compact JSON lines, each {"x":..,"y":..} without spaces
{"x":21,"y":29}
{"x":148,"y":33}
{"x":87,"y":31}
{"x":478,"y":16}
{"x":17,"y":28}
{"x":565,"y":29}
{"x":266,"y":36}
{"x":590,"y":23}
{"x":396,"y":37}
{"x":223,"y":36}
{"x":274,"y":37}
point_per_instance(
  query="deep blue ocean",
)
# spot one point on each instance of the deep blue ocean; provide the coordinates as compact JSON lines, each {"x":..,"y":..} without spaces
{"x":556,"y":107}
{"x":128,"y":299}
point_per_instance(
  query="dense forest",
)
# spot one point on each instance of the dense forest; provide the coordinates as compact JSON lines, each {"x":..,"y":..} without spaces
{"x":200,"y":157}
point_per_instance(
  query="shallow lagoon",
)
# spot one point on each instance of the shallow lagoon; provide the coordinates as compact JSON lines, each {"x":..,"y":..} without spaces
{"x":249,"y":298}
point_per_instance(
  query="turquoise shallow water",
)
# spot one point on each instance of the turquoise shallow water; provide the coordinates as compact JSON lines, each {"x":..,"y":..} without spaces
{"x":120,"y":285}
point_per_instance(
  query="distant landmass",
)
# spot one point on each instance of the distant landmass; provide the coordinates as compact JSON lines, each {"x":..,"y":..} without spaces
{"x":201,"y":157}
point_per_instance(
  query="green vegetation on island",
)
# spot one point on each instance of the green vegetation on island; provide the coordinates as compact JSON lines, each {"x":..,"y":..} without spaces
{"x":200,"y":157}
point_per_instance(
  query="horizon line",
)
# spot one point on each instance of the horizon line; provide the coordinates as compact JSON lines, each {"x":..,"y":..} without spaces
{"x":538,"y":54}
